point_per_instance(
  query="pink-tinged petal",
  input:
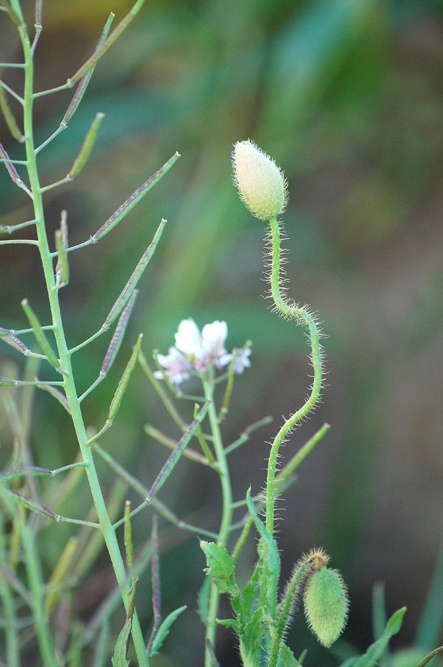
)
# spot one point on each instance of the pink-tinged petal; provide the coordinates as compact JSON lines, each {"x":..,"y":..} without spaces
{"x":175,"y":361}
{"x":174,"y":377}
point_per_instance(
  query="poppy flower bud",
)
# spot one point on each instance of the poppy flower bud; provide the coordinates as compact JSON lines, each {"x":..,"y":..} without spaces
{"x":260,"y":181}
{"x":326,"y":605}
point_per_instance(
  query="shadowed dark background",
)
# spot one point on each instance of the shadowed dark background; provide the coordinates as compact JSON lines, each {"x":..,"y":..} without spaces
{"x":347,"y":96}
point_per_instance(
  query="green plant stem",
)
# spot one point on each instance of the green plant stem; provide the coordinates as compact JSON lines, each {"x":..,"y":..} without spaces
{"x":65,"y":360}
{"x":290,"y":600}
{"x":34,"y":573}
{"x":8,"y":610}
{"x":223,"y":471}
{"x":302,"y":316}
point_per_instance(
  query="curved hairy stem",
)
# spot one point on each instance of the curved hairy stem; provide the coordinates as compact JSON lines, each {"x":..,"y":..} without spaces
{"x":301,"y":316}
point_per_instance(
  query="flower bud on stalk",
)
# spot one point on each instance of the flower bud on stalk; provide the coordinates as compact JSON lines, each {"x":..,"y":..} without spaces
{"x":326,"y":605}
{"x":260,"y":181}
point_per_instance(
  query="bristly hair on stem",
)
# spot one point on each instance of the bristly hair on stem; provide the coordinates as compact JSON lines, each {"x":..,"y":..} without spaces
{"x":274,"y":257}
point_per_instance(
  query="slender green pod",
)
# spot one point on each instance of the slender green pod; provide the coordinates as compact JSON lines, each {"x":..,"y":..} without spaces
{"x":129,"y":548}
{"x":129,"y":204}
{"x":40,"y":335}
{"x":86,"y":147}
{"x":122,"y":385}
{"x":9,"y":117}
{"x":61,"y":246}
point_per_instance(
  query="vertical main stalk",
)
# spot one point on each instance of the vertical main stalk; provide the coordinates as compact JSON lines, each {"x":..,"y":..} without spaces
{"x":63,"y":352}
{"x":223,"y":471}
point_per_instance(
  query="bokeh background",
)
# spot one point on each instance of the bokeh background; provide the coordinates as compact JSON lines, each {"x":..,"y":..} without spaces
{"x":347,"y":96}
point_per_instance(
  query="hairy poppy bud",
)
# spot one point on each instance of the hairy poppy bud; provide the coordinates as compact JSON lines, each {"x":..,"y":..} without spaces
{"x":260,"y":181}
{"x":326,"y":605}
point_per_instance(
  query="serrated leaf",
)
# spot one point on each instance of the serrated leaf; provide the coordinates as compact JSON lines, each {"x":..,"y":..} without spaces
{"x":269,"y":553}
{"x":376,"y":650}
{"x":250,"y":594}
{"x":229,"y":623}
{"x":119,"y":658}
{"x":163,"y":630}
{"x":251,"y":638}
{"x":236,"y":602}
{"x":221,"y":567}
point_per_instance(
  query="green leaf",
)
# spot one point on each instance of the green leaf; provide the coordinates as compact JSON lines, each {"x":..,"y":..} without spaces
{"x":431,"y":622}
{"x":250,"y":593}
{"x":229,"y":623}
{"x":376,"y":650}
{"x":271,"y":551}
{"x":302,"y":657}
{"x":220,"y":567}
{"x":236,"y":603}
{"x":251,"y":638}
{"x":119,"y":658}
{"x":163,"y":630}
{"x":270,"y":555}
{"x":287,"y":658}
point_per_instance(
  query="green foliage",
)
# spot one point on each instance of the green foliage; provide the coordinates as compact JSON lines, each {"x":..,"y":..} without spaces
{"x":311,"y":79}
{"x":119,"y":658}
{"x":378,"y":648}
{"x":163,"y":630}
{"x":221,"y":568}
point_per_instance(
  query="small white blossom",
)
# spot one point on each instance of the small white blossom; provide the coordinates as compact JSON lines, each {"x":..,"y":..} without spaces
{"x":241,"y":360}
{"x":188,"y":337}
{"x":213,"y":343}
{"x":195,"y":351}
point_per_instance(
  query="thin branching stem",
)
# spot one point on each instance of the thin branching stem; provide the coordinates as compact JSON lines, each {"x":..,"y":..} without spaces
{"x":24,"y":162}
{"x":19,"y":242}
{"x":12,"y":92}
{"x":222,"y":539}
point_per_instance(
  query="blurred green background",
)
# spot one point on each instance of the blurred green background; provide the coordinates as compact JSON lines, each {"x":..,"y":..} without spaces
{"x":347,"y":96}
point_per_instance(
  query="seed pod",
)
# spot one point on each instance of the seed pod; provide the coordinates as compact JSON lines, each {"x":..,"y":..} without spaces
{"x":326,"y":605}
{"x":260,"y":181}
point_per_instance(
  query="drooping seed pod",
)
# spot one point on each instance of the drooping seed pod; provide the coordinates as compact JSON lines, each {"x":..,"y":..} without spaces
{"x":260,"y":181}
{"x":326,"y":605}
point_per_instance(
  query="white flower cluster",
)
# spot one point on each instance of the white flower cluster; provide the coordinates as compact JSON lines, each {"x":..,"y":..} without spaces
{"x":196,"y":351}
